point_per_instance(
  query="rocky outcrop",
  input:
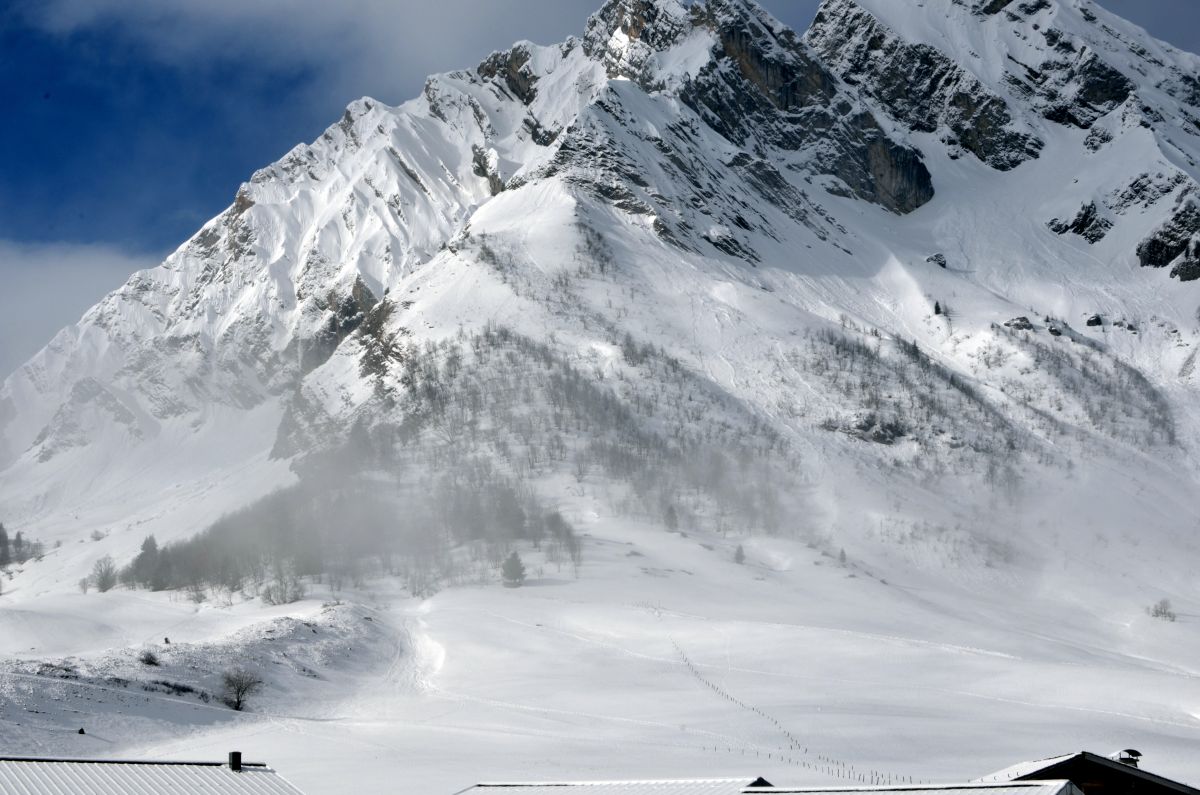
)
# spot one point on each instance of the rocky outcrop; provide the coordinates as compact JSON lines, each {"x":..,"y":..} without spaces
{"x":762,"y":90}
{"x":484,"y":164}
{"x":764,"y":85}
{"x":512,"y":69}
{"x":1177,"y":242}
{"x":1088,"y":224}
{"x":624,"y":34}
{"x":919,"y":85}
{"x":989,"y":7}
{"x":343,"y":315}
{"x":1074,"y":86}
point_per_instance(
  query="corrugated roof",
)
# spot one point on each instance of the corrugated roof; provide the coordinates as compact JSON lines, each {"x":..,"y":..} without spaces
{"x":29,"y":776}
{"x":703,"y":786}
{"x":1006,"y":788}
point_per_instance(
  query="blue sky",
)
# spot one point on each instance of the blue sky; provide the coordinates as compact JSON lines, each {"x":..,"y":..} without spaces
{"x":128,"y":123}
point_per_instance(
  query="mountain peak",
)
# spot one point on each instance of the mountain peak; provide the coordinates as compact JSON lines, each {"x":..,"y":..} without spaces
{"x":625,"y":33}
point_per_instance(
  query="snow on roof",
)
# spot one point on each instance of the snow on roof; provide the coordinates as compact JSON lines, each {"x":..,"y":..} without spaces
{"x":30,"y":776}
{"x":1031,"y":768}
{"x":974,"y":788}
{"x":1024,"y":768}
{"x":703,"y":786}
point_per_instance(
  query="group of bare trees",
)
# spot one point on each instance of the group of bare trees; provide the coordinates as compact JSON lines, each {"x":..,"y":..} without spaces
{"x":452,"y":477}
{"x":1108,"y":396}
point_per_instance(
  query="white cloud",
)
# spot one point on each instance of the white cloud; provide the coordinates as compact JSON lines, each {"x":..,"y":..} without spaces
{"x":45,"y":287}
{"x":383,"y":48}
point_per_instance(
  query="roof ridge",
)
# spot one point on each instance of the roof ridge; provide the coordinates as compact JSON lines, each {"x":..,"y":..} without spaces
{"x":1033,"y":784}
{"x":76,"y":760}
{"x":602,"y":782}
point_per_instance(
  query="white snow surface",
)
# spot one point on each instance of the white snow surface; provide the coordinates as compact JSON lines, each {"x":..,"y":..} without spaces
{"x":987,"y":612}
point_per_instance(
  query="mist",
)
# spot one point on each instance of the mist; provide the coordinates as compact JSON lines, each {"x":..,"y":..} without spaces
{"x":48,"y":287}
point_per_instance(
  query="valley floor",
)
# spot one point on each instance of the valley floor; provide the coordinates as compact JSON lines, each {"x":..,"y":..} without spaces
{"x":663,"y":659}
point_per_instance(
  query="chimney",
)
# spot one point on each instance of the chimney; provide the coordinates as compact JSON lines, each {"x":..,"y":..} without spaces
{"x":235,"y":761}
{"x":1128,"y":757}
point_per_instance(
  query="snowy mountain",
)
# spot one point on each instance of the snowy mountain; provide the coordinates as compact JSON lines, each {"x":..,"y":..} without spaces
{"x":917,"y":286}
{"x":706,"y":181}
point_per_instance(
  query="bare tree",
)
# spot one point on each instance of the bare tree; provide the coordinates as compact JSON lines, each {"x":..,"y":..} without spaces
{"x":1162,"y":609}
{"x":104,"y":574}
{"x":237,"y":685}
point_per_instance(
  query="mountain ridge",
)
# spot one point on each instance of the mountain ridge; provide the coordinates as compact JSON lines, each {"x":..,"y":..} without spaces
{"x":798,"y":190}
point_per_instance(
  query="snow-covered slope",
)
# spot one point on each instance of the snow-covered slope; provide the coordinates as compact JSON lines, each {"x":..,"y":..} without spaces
{"x":1040,"y":82}
{"x":701,"y":179}
{"x":919,"y":285}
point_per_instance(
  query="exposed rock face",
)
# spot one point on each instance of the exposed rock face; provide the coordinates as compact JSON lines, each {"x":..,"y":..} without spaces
{"x":760,"y":88}
{"x":625,"y":34}
{"x":1073,"y":87}
{"x":345,"y":313}
{"x":513,"y":69}
{"x":1088,"y":224}
{"x":1176,"y":242}
{"x":1146,"y":190}
{"x":989,"y":7}
{"x":752,"y":81}
{"x":484,"y":165}
{"x":919,"y":85}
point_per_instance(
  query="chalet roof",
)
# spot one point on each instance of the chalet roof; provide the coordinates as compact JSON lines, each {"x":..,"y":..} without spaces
{"x":42,"y":776}
{"x":1030,"y":771}
{"x":1022,"y":769}
{"x":705,"y":786}
{"x":1053,"y":787}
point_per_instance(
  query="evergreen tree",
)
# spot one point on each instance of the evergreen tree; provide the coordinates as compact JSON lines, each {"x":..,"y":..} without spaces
{"x":18,"y":548}
{"x":671,"y":518}
{"x":937,"y":308}
{"x":151,"y":568}
{"x":5,"y":549}
{"x":513,"y":571}
{"x":739,"y":555}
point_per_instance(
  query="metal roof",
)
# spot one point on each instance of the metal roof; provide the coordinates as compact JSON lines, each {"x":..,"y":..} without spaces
{"x":1022,"y":769}
{"x":702,"y":786}
{"x":974,"y":788}
{"x":1029,"y":771}
{"x":34,"y":776}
